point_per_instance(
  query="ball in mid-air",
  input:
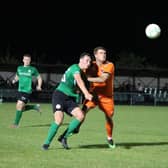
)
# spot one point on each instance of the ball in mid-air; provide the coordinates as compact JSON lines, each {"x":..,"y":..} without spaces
{"x":152,"y":31}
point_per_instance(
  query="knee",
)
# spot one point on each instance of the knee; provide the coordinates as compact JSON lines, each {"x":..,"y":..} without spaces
{"x":19,"y":106}
{"x":58,"y":117}
{"x":80,"y":116}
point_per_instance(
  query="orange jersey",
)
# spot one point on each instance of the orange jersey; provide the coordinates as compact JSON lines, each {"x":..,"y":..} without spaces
{"x":104,"y":88}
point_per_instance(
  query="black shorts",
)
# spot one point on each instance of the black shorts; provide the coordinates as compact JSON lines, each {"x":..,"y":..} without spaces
{"x":24,"y":97}
{"x":62,"y":102}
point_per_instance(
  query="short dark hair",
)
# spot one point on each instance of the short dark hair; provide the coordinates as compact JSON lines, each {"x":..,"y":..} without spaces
{"x":27,"y":55}
{"x":84,"y":54}
{"x":98,"y":48}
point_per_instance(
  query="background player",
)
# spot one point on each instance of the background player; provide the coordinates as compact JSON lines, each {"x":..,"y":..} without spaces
{"x":24,"y":76}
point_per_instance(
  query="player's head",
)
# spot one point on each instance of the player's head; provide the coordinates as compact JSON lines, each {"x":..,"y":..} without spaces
{"x":100,"y":53}
{"x":84,"y":60}
{"x":26,"y":59}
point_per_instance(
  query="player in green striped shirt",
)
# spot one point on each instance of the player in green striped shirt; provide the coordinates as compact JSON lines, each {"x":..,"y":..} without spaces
{"x":24,"y":77}
{"x":64,"y":100}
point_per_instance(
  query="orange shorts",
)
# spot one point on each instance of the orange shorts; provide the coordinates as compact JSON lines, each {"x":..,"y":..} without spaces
{"x":105,"y":104}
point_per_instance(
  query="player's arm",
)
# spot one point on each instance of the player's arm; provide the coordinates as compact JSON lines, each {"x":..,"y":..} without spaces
{"x":39,"y":82}
{"x":16,"y":78}
{"x":99,"y":79}
{"x":82,"y":86}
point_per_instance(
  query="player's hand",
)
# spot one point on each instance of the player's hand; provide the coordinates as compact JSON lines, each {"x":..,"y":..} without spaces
{"x":14,"y":81}
{"x":89,"y":96}
{"x":38,"y":88}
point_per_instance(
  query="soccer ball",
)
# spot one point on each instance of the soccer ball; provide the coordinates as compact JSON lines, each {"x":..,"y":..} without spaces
{"x":152,"y":31}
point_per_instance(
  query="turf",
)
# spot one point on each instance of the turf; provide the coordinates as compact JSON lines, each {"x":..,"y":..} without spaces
{"x":140,"y":135}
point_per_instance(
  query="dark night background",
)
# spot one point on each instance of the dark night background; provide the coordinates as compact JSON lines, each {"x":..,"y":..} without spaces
{"x":53,"y":37}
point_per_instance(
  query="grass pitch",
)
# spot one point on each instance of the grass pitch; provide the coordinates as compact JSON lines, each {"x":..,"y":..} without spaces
{"x":140,"y":133}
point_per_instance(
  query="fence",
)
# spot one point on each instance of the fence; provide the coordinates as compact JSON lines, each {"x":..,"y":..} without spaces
{"x":150,"y":96}
{"x":125,"y":83}
{"x":136,"y":98}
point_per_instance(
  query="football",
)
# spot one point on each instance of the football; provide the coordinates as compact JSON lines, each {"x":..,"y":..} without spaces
{"x":152,"y":31}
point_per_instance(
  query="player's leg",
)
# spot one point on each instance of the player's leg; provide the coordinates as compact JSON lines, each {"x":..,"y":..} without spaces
{"x":18,"y":115}
{"x":58,"y":106}
{"x":87,"y":105}
{"x":58,"y":118}
{"x":22,"y":99}
{"x":78,"y":117}
{"x":30,"y":106}
{"x":85,"y":109}
{"x":33,"y":107}
{"x":75,"y":131}
{"x":107,"y":106}
{"x":109,"y":129}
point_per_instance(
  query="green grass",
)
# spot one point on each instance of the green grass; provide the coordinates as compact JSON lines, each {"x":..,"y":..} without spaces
{"x":141,"y":135}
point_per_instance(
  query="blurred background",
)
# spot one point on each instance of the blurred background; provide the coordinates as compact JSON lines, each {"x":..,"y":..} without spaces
{"x":55,"y":40}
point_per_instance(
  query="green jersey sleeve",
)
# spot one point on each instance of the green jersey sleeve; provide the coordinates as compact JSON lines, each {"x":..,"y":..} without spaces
{"x":68,"y":83}
{"x":35,"y":72}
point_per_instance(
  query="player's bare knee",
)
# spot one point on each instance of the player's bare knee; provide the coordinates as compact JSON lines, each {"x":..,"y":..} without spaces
{"x":20,"y":105}
{"x":80,"y":116}
{"x":58,"y":117}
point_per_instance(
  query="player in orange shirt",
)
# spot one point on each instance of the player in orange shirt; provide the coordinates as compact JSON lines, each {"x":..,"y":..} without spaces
{"x":101,"y":78}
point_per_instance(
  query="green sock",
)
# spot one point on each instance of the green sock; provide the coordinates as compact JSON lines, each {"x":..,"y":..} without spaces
{"x":73,"y":124}
{"x":30,"y":107}
{"x":51,"y":133}
{"x":18,"y":117}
